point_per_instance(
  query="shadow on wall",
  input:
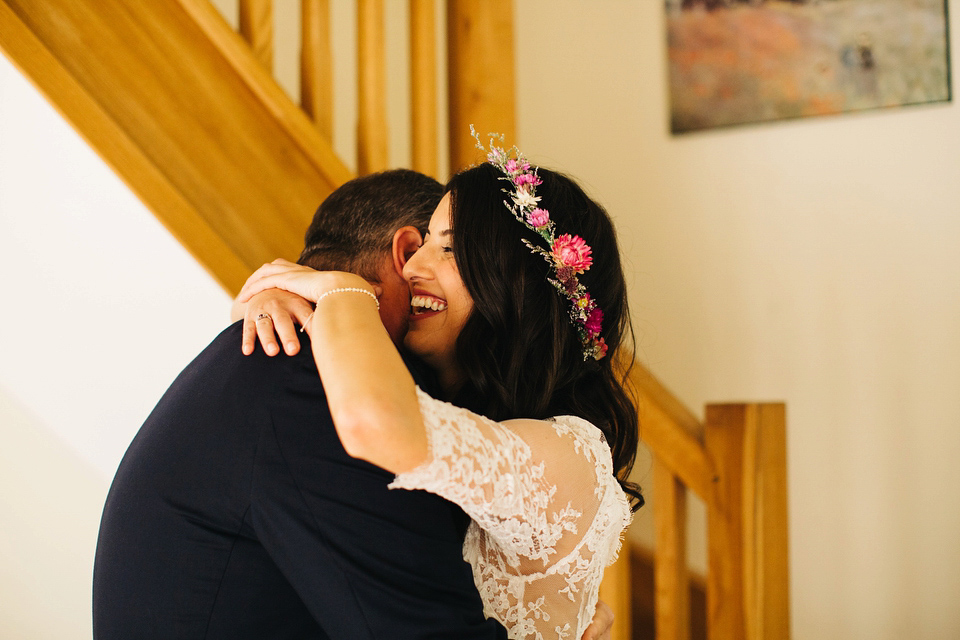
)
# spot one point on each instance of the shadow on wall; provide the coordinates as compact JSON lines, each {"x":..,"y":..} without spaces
{"x":50,"y":505}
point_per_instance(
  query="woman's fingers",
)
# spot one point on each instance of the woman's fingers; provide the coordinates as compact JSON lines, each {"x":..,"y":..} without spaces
{"x":274,"y":314}
{"x":287,"y":333}
{"x":265,"y":332}
{"x":249,"y":341}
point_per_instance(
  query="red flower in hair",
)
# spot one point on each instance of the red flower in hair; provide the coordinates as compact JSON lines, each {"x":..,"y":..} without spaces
{"x":594,"y":322}
{"x":572,"y":251}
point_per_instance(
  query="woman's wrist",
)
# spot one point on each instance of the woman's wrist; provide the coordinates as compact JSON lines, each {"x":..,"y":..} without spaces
{"x":350,"y":290}
{"x":344,"y":293}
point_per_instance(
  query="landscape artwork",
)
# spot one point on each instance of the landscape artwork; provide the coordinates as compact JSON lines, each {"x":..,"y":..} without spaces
{"x":734,"y":62}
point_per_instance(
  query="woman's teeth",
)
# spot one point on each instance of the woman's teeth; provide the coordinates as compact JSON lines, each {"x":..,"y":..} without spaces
{"x":421,"y":303}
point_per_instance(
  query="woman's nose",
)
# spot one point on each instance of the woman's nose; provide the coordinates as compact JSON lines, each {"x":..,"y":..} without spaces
{"x":416,"y":267}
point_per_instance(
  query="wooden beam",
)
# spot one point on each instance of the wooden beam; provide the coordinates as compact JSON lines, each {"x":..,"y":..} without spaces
{"x":672,"y":602}
{"x":481,"y":75}
{"x":191,"y":122}
{"x":371,"y":88}
{"x":316,"y":65}
{"x":256,"y":27}
{"x":423,"y":86}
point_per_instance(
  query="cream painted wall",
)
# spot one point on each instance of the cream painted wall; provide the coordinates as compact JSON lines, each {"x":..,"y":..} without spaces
{"x":101,"y":308}
{"x":816,"y":262}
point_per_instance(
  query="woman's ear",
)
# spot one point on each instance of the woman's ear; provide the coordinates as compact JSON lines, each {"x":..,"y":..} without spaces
{"x":406,"y":241}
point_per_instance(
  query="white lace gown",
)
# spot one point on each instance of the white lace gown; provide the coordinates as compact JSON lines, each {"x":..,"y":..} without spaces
{"x":547,"y":512}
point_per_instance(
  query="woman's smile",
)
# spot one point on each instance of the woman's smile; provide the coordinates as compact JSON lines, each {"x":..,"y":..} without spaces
{"x":439,"y":301}
{"x":424,"y":304}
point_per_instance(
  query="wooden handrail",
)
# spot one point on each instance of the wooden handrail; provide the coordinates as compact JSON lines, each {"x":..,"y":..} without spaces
{"x":672,"y":433}
{"x":260,"y":81}
{"x":175,"y":102}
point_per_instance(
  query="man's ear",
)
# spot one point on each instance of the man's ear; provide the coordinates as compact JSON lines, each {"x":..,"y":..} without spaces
{"x":406,"y":241}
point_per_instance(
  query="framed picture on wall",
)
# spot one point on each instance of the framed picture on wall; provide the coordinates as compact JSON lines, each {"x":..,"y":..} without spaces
{"x":734,"y":62}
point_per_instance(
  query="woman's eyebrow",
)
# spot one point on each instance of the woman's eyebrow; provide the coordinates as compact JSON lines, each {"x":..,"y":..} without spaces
{"x":446,"y":232}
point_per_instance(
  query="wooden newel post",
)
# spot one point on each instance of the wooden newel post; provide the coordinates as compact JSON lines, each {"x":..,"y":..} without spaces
{"x":747,"y":585}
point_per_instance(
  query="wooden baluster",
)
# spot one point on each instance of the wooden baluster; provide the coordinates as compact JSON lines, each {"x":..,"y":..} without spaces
{"x":747,"y":581}
{"x":316,"y":64}
{"x":481,"y":75}
{"x":371,"y":88}
{"x":672,"y":600}
{"x":256,"y":26}
{"x":615,"y":591}
{"x":423,"y":86}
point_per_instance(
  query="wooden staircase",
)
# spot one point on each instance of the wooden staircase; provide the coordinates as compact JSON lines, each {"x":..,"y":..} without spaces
{"x":184,"y":110}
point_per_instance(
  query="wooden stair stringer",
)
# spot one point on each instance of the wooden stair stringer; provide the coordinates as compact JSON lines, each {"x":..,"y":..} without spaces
{"x":173,"y":100}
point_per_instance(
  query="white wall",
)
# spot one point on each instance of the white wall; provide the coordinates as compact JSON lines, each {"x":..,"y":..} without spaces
{"x":100,"y":309}
{"x":816,"y":262}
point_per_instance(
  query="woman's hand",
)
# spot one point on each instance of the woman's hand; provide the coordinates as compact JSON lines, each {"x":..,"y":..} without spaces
{"x":303,"y":281}
{"x":602,"y":625}
{"x":279,"y":294}
{"x":271,"y":314}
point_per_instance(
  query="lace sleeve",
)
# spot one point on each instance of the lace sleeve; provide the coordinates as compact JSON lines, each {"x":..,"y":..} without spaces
{"x":548,"y":512}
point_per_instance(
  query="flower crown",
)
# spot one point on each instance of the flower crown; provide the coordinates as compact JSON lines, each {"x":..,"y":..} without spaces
{"x":568,"y":255}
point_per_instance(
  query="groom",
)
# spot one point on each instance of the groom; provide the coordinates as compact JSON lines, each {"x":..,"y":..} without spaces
{"x":236,"y":513}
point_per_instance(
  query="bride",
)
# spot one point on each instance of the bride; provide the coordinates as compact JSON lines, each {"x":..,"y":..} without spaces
{"x":518,"y":301}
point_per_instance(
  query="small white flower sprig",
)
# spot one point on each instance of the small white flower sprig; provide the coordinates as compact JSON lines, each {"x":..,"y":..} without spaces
{"x":568,"y":255}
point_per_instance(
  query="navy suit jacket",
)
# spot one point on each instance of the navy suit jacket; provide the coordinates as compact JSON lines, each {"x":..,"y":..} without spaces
{"x":236,"y":513}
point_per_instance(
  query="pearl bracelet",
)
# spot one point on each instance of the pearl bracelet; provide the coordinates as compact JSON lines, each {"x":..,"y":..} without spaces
{"x":353,"y":289}
{"x":340,"y":290}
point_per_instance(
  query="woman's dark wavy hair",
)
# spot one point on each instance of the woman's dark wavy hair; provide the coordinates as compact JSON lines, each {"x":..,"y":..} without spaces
{"x":519,"y":352}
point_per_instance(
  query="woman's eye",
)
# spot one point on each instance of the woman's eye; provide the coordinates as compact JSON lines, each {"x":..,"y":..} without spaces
{"x":448,"y":249}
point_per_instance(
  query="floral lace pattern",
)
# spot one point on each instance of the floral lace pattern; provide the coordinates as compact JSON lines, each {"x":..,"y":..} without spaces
{"x":547,"y":512}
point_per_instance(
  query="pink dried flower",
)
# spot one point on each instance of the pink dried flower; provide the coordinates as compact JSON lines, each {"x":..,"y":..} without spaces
{"x":538,"y":218}
{"x":599,"y":349}
{"x":510,"y":166}
{"x":573,"y":252}
{"x":594,"y":322}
